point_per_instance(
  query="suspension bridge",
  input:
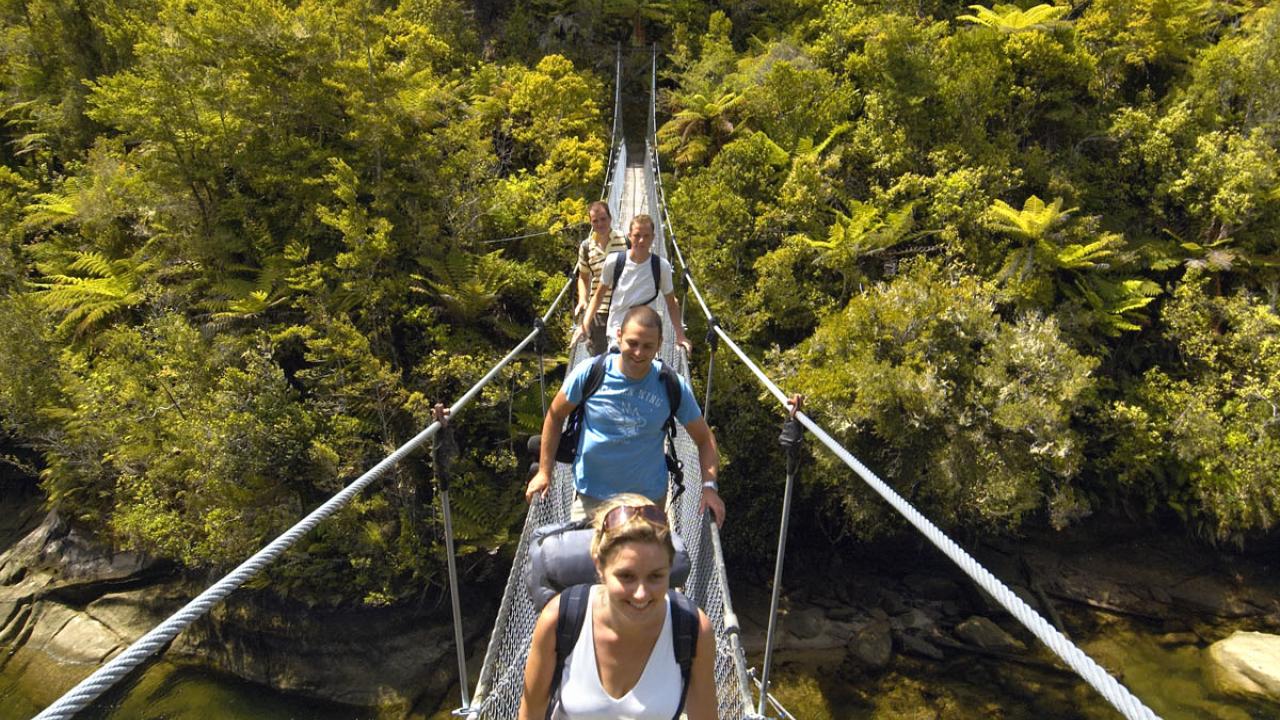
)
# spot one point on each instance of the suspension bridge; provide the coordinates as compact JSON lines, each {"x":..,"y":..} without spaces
{"x":633,"y":186}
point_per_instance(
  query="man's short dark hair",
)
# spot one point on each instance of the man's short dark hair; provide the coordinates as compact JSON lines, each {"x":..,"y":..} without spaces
{"x":645,"y":315}
{"x":642,"y":219}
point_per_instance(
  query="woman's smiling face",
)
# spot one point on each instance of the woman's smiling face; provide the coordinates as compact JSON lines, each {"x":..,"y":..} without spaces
{"x":636,"y":579}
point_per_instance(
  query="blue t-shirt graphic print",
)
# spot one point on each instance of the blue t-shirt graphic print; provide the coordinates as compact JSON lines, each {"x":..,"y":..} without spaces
{"x":620,"y":449}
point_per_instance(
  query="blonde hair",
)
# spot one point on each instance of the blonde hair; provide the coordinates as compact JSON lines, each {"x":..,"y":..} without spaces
{"x":636,"y":529}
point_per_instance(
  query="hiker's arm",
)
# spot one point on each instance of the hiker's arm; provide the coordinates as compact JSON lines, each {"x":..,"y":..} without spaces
{"x":597,"y":298}
{"x":584,"y":282}
{"x":542,"y":664}
{"x":583,"y":269}
{"x":709,"y":461}
{"x":552,"y":426}
{"x":677,"y":321}
{"x":700,"y":703}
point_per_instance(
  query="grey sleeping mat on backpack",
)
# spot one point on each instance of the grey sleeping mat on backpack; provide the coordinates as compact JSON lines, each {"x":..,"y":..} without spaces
{"x":560,"y":557}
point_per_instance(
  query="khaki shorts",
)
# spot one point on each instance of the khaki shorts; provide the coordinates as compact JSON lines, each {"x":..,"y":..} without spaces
{"x":584,"y":507}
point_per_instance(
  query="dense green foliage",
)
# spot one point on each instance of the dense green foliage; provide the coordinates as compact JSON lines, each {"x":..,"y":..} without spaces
{"x":245,"y":250}
{"x":1022,"y":258}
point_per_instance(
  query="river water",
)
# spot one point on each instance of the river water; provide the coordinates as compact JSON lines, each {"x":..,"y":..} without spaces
{"x":1166,"y":671}
{"x":164,"y":691}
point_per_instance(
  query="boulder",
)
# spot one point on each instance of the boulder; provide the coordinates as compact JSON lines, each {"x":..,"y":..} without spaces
{"x":1208,"y":595}
{"x":806,"y":624}
{"x":361,"y":657}
{"x":70,"y":560}
{"x":1246,"y":663}
{"x":872,"y":646}
{"x":914,"y":619}
{"x":892,"y":602}
{"x":931,"y":587}
{"x":133,"y":613}
{"x":836,"y":614}
{"x":917,"y":645}
{"x":83,"y":640}
{"x":985,"y":634}
{"x":68,"y":637}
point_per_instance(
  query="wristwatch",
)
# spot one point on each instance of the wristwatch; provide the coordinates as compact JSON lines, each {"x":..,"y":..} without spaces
{"x":711,"y":485}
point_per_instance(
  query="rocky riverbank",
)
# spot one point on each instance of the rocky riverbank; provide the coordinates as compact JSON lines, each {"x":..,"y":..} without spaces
{"x":67,"y":605}
{"x":906,"y":634}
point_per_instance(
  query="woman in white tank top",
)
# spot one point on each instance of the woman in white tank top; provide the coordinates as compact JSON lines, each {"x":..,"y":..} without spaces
{"x":623,"y":666}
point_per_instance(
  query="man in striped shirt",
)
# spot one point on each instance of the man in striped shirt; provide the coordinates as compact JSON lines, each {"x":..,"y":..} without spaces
{"x":591,"y":256}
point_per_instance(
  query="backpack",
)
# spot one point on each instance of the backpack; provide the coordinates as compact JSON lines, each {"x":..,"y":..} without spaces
{"x":569,"y":438}
{"x":573,"y":615}
{"x":560,"y":557}
{"x":620,"y":262}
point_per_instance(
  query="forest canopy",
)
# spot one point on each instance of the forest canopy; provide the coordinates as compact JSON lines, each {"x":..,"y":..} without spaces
{"x":1022,"y":258}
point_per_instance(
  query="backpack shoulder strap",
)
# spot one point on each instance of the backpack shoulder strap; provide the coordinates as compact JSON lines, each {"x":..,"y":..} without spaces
{"x":675,"y":466}
{"x":573,"y":615}
{"x":619,"y":262}
{"x":595,"y":377}
{"x":672,"y":384}
{"x":655,"y":265}
{"x":684,"y":638}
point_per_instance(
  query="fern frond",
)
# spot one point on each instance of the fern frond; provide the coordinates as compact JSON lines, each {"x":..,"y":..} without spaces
{"x":1011,"y":19}
{"x":49,"y":210}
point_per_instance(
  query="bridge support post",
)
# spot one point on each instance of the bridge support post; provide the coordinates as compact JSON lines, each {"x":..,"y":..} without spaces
{"x":792,"y":434}
{"x":443,"y":450}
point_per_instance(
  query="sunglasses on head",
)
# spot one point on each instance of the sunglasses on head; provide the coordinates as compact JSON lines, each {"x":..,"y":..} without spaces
{"x":622,"y":514}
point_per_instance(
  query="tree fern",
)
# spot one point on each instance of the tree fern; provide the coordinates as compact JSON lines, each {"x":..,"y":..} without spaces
{"x":468,"y":287}
{"x":255,"y":290}
{"x":92,"y":289}
{"x":1046,"y":264}
{"x":50,"y":210}
{"x":1116,"y":304}
{"x":866,"y":231}
{"x":1033,"y":221}
{"x":1011,"y":18}
{"x":1087,"y":256}
{"x":700,"y":125}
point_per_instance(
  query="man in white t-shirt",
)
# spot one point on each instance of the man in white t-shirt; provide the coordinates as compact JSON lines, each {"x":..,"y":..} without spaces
{"x":635,"y":284}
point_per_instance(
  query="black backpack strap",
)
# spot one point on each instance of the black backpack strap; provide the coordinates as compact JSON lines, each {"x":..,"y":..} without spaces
{"x":595,"y":377}
{"x":569,"y":436}
{"x":675,"y":468}
{"x":684,"y":638}
{"x":573,"y":615}
{"x":671,"y":382}
{"x":619,"y":262}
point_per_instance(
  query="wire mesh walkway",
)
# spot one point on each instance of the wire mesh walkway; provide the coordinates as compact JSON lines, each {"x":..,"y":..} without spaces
{"x":502,"y":676}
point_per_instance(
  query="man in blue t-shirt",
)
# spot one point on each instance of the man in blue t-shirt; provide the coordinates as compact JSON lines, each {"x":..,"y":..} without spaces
{"x":621,"y":444}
